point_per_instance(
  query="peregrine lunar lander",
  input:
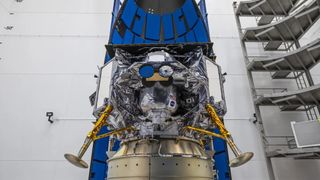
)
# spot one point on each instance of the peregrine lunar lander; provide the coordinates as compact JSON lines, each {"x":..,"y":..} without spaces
{"x":157,"y":99}
{"x":159,"y":106}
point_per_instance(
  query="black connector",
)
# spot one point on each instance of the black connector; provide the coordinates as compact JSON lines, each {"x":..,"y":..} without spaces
{"x":50,"y":115}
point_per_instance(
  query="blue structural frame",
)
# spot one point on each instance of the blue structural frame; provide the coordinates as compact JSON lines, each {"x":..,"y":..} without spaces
{"x":132,"y":25}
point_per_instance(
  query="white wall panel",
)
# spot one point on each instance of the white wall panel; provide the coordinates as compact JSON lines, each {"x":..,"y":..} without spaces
{"x":29,"y":97}
{"x":52,"y":54}
{"x":247,"y":138}
{"x":316,"y":79}
{"x":288,"y":169}
{"x":60,"y":6}
{"x":238,"y":97}
{"x":220,"y":7}
{"x":316,"y":70}
{"x":3,"y":13}
{"x":254,"y":170}
{"x":226,"y":29}
{"x":48,"y":62}
{"x":230,"y":61}
{"x":49,"y":170}
{"x":277,"y":123}
{"x":57,"y":24}
{"x":29,"y":144}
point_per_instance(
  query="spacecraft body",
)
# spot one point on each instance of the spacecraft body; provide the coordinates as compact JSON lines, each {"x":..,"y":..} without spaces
{"x":156,"y":98}
{"x":158,"y":92}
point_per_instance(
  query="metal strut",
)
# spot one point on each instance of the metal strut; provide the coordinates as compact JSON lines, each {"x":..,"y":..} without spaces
{"x":92,"y":136}
{"x":241,"y":158}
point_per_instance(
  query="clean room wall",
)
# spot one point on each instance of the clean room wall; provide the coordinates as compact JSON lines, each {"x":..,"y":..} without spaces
{"x":48,"y":61}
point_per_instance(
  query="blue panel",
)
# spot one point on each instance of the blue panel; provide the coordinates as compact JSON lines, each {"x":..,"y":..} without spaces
{"x":98,"y":171}
{"x":221,"y":158}
{"x":138,"y":40}
{"x":190,"y":37}
{"x":128,"y":37}
{"x":190,"y":13}
{"x":116,"y":145}
{"x":153,"y":27}
{"x":101,"y":146}
{"x":129,"y":13}
{"x":98,"y":163}
{"x":167,"y":27}
{"x":116,"y":8}
{"x":151,"y":42}
{"x":179,"y":22}
{"x":139,"y":22}
{"x":180,"y":40}
{"x":169,"y":42}
{"x":107,"y":58}
{"x":201,"y":32}
{"x":116,"y":38}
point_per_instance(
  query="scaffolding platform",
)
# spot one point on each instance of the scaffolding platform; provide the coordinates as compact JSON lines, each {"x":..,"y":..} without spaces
{"x":265,"y":7}
{"x":291,"y":100}
{"x":280,"y":26}
{"x":288,"y":29}
{"x":266,"y":10}
{"x":301,"y":59}
{"x":296,"y":153}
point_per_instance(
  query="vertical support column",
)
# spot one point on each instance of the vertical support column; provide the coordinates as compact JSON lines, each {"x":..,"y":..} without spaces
{"x":307,"y":72}
{"x":310,"y":81}
{"x":254,"y":94}
{"x":309,"y":78}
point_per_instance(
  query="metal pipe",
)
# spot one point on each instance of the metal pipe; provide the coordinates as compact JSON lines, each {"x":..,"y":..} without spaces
{"x":100,"y":123}
{"x":92,"y":135}
{"x":217,"y":121}
{"x":118,"y":131}
{"x":84,"y":147}
{"x":202,"y":131}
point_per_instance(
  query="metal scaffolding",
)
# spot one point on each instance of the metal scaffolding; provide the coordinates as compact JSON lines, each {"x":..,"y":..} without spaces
{"x":280,"y":26}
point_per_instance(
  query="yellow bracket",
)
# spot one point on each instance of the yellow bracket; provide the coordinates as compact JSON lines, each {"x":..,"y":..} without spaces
{"x":118,"y":131}
{"x":92,"y":136}
{"x":217,"y":121}
{"x":202,"y":131}
{"x":103,"y":121}
{"x":100,"y":123}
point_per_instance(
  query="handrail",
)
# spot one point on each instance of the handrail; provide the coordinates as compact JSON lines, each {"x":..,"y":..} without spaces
{"x":269,"y":91}
{"x":288,"y":141}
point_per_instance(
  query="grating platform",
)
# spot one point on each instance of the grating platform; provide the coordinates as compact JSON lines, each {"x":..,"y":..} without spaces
{"x":293,"y":100}
{"x":299,"y":60}
{"x":288,"y":29}
{"x":265,"y":7}
{"x":305,"y":153}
